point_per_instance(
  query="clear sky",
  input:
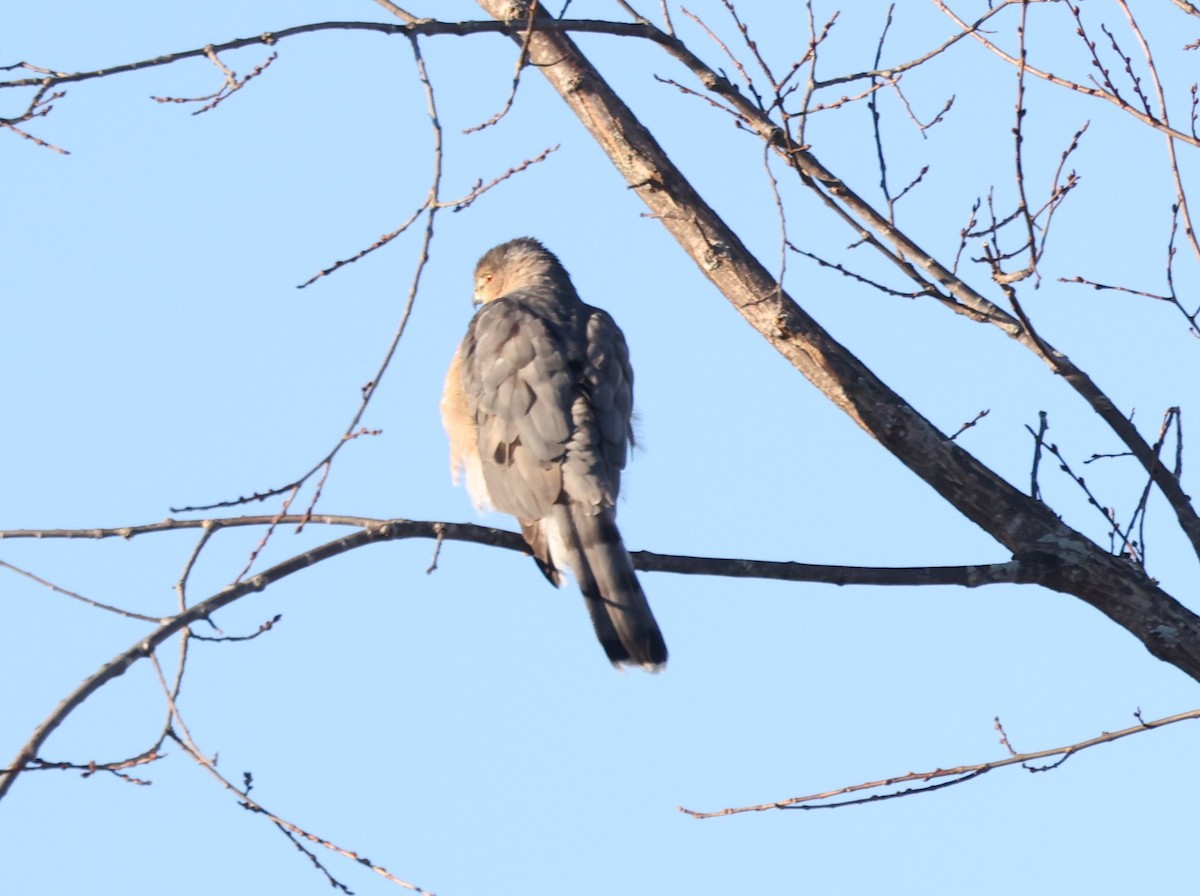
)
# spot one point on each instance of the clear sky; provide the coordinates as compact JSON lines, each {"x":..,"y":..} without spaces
{"x":462,"y":728}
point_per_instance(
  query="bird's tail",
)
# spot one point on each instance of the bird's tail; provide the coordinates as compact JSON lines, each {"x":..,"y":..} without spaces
{"x":620,"y":612}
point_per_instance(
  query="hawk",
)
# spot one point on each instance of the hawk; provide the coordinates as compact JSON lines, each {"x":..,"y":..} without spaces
{"x":538,"y":405}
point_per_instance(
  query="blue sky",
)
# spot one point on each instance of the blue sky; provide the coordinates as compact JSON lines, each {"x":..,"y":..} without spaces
{"x":462,"y":728}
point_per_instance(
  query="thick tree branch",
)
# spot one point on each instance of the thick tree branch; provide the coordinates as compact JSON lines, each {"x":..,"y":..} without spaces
{"x":1025,"y":526}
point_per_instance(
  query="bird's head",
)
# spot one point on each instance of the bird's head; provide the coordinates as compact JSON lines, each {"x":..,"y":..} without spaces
{"x":514,"y":265}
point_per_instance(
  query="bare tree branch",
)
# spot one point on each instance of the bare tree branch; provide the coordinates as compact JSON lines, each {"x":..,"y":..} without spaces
{"x":959,"y":774}
{"x":1096,"y":92}
{"x":76,"y":596}
{"x":178,"y":732}
{"x":971,"y":575}
{"x":377,"y":531}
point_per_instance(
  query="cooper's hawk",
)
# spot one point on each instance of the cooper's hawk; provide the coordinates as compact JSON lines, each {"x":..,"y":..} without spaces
{"x":537,"y":405}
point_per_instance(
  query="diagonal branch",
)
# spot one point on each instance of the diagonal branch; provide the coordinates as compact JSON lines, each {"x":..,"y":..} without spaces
{"x":1025,"y":526}
{"x":933,"y":277}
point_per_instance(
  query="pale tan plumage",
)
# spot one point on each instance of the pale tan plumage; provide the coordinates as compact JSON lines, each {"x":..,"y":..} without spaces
{"x":537,"y":405}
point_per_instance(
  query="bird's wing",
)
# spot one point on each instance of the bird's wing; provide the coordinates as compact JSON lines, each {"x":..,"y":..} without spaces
{"x":610,"y":385}
{"x":517,"y":387}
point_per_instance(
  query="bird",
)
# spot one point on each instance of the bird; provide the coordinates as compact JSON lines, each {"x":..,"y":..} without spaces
{"x":538,"y":406}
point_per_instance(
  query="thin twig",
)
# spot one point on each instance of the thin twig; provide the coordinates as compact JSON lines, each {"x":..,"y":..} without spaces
{"x":1039,"y":440}
{"x":181,"y":735}
{"x":522,"y":61}
{"x":1095,"y":92}
{"x":970,"y":423}
{"x":959,"y":774}
{"x":66,"y":592}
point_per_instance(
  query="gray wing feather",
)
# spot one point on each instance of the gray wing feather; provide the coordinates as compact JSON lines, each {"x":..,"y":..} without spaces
{"x":517,"y":386}
{"x":601,"y":417}
{"x":611,"y":380}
